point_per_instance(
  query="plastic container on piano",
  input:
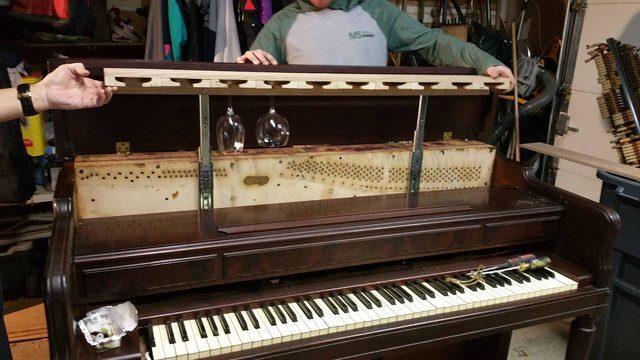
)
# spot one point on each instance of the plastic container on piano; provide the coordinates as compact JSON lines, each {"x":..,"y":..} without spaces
{"x":618,"y":329}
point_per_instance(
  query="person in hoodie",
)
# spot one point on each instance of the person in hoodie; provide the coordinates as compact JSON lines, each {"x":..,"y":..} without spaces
{"x":360,"y":32}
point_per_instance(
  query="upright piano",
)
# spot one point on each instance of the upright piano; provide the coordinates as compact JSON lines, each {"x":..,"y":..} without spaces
{"x":341,"y":245}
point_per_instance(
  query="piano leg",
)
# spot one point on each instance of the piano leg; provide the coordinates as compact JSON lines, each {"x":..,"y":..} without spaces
{"x":583,"y":331}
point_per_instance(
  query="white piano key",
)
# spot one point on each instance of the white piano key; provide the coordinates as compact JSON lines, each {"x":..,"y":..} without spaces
{"x":285,"y":330}
{"x":201,"y":343}
{"x":276,"y":337}
{"x":157,"y":351}
{"x":168,"y":348}
{"x":387,"y":314}
{"x":374,"y":318}
{"x":223,"y":339}
{"x":571,"y":285}
{"x":245,"y":340}
{"x":316,"y":324}
{"x":302,"y":327}
{"x":310,"y":325}
{"x":441,"y":302}
{"x":399,"y":310}
{"x":233,"y":336}
{"x":181,"y":348}
{"x":192,"y":345}
{"x":369,"y":317}
{"x":262,"y":333}
{"x":334,"y":321}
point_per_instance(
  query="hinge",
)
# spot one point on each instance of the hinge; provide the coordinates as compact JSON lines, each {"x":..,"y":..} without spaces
{"x":123,"y":147}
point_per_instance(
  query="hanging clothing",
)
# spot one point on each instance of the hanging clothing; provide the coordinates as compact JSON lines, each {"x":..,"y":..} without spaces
{"x":227,"y":47}
{"x":250,"y":23}
{"x":266,"y":11}
{"x":177,"y":29}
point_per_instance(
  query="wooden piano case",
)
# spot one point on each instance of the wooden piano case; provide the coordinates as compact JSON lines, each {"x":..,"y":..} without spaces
{"x":333,"y":218}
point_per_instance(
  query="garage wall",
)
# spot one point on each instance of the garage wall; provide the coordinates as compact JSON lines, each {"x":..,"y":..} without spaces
{"x":619,"y":19}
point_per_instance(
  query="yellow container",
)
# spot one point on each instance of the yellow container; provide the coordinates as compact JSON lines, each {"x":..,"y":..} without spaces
{"x":33,"y":127}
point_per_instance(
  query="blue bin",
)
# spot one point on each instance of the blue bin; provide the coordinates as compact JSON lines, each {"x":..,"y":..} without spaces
{"x":618,"y":330}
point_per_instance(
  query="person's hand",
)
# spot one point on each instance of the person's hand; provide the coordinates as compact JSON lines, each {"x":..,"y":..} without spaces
{"x":497,"y":71}
{"x":257,"y":57}
{"x":68,"y":88}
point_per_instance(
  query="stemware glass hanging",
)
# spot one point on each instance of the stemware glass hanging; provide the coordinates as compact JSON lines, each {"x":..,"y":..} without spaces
{"x":272,"y":129}
{"x":230,"y":130}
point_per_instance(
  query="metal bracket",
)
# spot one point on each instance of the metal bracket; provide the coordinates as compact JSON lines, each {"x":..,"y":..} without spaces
{"x":205,"y":164}
{"x":579,"y":5}
{"x":562,"y":126}
{"x":123,"y":147}
{"x":416,"y":155}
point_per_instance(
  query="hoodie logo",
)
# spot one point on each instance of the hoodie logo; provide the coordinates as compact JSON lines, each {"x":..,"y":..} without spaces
{"x":360,"y":34}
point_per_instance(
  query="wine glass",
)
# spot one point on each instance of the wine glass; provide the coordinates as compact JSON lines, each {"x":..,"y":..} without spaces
{"x":272,"y":129}
{"x":230,"y":130}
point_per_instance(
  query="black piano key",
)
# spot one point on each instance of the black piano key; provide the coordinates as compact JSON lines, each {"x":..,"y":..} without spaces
{"x":447,"y":285}
{"x":464,"y":277}
{"x":330,"y":305}
{"x":533,"y":274}
{"x":504,"y":279}
{"x":212,"y":325}
{"x":289,"y":312}
{"x":522,"y":275}
{"x":172,"y":338}
{"x":152,"y":340}
{"x":341,"y":305}
{"x":403,"y":292}
{"x":390,"y":299}
{"x":315,"y":307}
{"x":425,"y":289}
{"x":395,"y":294}
{"x":416,"y":290}
{"x":489,"y":281}
{"x":513,"y":276}
{"x":374,"y":299}
{"x":279,"y":313}
{"x":183,"y":331}
{"x":363,"y":299}
{"x":269,"y":315}
{"x":455,"y":286}
{"x":241,"y":320}
{"x":201,"y":328}
{"x":252,"y":318}
{"x":480,"y":286}
{"x":224,"y":324}
{"x":541,"y":273}
{"x":305,"y":309}
{"x":548,"y":273}
{"x":497,"y":279}
{"x":347,"y":300}
{"x":439,"y":288}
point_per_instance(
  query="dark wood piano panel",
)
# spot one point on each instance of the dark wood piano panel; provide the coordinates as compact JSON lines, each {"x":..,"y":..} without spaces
{"x":113,"y":255}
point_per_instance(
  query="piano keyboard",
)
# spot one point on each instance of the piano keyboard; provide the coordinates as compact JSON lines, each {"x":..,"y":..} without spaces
{"x":256,"y":325}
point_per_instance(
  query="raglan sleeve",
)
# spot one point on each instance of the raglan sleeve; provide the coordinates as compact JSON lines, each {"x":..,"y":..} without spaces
{"x":406,"y":34}
{"x":271,"y":39}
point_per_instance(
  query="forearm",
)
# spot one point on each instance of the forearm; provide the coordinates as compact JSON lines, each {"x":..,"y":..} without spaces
{"x":10,"y":107}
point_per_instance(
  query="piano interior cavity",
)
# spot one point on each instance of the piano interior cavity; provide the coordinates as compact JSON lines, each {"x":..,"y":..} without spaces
{"x":130,"y":184}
